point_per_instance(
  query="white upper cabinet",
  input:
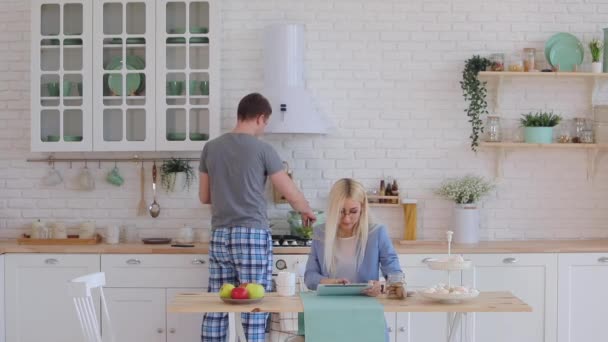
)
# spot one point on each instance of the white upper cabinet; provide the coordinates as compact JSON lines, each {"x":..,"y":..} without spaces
{"x":187,"y":74}
{"x":124,"y":75}
{"x":61,"y":76}
{"x":123,"y":70}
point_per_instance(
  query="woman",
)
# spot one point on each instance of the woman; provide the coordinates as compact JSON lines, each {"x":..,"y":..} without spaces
{"x":349,"y":249}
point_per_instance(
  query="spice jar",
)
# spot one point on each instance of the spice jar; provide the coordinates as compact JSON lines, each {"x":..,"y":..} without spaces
{"x":564,"y":132}
{"x":395,"y":286}
{"x":529,"y":56}
{"x":493,"y":129}
{"x":497,"y":61}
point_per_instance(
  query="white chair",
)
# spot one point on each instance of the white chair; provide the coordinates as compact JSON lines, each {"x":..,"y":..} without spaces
{"x":80,"y":290}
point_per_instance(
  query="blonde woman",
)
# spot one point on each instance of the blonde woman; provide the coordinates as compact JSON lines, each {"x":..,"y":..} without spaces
{"x":349,"y":248}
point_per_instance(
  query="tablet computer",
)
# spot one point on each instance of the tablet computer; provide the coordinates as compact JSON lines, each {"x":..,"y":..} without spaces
{"x":341,"y":289}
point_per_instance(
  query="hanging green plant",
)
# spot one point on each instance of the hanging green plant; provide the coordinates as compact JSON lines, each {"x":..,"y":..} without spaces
{"x":169,"y":172}
{"x":474,"y":91}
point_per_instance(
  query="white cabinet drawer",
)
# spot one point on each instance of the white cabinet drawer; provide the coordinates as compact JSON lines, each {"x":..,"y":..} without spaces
{"x":155,"y":270}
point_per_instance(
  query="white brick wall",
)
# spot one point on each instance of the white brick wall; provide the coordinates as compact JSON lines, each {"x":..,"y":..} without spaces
{"x":387,"y":73}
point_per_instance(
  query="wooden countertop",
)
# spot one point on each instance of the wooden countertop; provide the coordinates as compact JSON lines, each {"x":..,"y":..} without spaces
{"x":486,"y":302}
{"x":406,"y":247}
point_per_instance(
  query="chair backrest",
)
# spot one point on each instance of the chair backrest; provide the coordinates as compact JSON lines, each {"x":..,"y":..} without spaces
{"x":80,"y":289}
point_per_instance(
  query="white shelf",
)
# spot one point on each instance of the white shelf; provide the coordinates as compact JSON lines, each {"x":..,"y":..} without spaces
{"x":593,"y":152}
{"x":542,"y":74}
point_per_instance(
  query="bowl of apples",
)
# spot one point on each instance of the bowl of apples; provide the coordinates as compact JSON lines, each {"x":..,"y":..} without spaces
{"x":245,"y":293}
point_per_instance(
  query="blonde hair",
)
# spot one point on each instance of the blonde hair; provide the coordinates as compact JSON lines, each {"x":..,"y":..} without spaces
{"x":345,"y":188}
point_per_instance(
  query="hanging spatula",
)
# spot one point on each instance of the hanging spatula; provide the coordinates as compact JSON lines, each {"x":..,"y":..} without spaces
{"x":142,"y":208}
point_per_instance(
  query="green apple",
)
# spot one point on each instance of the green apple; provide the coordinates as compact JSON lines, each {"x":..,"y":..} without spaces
{"x":255,"y":290}
{"x":226,"y":290}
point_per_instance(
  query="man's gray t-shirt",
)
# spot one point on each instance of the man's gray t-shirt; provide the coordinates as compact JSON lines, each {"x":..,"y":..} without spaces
{"x":237,"y":165}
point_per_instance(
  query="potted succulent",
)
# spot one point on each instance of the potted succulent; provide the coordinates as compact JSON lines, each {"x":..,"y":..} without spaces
{"x":595,"y":47}
{"x":539,"y":126}
{"x":474,"y":91}
{"x":176,"y":175}
{"x":465,"y":192}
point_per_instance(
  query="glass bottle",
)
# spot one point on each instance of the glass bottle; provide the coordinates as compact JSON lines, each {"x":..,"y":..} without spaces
{"x":564,"y":132}
{"x":529,"y":56}
{"x":493,"y":129}
{"x":515,"y":62}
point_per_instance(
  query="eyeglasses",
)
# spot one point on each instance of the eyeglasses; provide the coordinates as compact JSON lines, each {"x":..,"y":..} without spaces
{"x":351,"y":213}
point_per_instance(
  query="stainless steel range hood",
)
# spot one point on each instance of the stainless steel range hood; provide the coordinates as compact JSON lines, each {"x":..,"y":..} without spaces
{"x":293,"y":109}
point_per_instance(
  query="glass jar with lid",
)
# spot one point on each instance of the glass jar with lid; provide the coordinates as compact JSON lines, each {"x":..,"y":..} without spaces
{"x":515,"y":62}
{"x":497,"y":61}
{"x":529,"y":57}
{"x":493,"y":129}
{"x":396,"y":286}
{"x":580,"y":125}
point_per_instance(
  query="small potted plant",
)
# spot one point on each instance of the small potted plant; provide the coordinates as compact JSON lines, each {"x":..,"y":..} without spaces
{"x":176,"y":175}
{"x":539,"y":126}
{"x":465,"y":192}
{"x":595,"y":47}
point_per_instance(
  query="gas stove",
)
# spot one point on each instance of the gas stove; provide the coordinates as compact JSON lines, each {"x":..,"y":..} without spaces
{"x":290,"y":241}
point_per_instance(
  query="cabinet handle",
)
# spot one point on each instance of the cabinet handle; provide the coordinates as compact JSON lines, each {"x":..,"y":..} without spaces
{"x":198,"y":261}
{"x":390,"y":329}
{"x":425,"y":260}
{"x":51,"y":261}
{"x":160,"y":330}
{"x":603,"y":259}
{"x":509,"y":260}
{"x":133,"y":262}
{"x":172,"y":330}
{"x":402,"y":329}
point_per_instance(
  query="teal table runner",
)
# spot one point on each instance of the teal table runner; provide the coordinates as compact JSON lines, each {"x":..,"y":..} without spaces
{"x":343,"y":318}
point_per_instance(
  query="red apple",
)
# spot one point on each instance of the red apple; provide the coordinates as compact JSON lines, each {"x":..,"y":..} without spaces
{"x":239,"y":293}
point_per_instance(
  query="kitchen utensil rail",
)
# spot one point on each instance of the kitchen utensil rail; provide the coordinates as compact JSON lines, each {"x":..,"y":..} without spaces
{"x":50,"y":160}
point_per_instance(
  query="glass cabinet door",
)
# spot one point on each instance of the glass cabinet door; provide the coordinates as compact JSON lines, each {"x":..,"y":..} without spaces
{"x":123,"y":70}
{"x":187,"y":69}
{"x":61,"y":76}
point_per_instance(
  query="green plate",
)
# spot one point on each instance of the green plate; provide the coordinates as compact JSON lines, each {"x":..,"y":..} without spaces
{"x":72,"y":138}
{"x":198,"y":29}
{"x":136,"y":40}
{"x":176,"y":40}
{"x":115,"y":81}
{"x":72,"y":41}
{"x":562,"y":36}
{"x":52,"y":138}
{"x":116,"y":41}
{"x":199,"y":40}
{"x":176,"y":136}
{"x":199,"y":136}
{"x":566,"y":54}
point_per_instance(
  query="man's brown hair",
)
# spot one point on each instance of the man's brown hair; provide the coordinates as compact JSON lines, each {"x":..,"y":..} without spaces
{"x":253,"y":105}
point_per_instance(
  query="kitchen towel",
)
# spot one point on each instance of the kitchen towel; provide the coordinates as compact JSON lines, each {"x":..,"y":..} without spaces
{"x":343,"y":318}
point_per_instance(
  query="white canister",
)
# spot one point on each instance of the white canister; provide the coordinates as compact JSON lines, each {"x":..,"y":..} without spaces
{"x":466,"y":223}
{"x":286,"y":284}
{"x":39,"y":230}
{"x":87,"y":230}
{"x":185,"y":234}
{"x":58,"y":230}
{"x":112,"y":234}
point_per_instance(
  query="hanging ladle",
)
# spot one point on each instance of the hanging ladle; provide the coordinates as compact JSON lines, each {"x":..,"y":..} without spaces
{"x":154,"y":208}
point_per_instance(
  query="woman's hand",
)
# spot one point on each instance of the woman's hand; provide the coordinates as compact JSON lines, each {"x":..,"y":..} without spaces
{"x":375,"y":289}
{"x":334,"y":281}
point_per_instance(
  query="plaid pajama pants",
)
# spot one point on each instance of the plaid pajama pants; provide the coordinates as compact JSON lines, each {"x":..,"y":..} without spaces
{"x":238,"y":255}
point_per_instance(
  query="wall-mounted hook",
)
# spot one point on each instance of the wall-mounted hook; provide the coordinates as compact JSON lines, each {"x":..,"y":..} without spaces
{"x":99,"y":163}
{"x":70,"y":164}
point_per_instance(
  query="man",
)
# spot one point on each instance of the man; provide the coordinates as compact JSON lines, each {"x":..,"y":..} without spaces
{"x":233,"y":171}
